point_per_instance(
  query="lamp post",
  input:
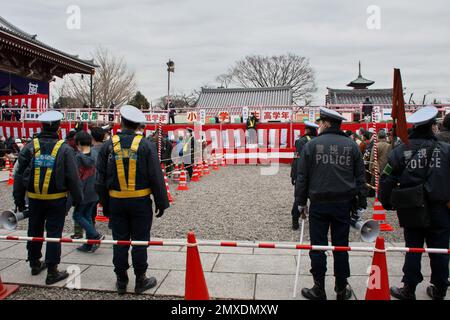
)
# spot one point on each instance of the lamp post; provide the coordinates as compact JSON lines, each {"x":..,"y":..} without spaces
{"x":91,"y":93}
{"x":170,"y":68}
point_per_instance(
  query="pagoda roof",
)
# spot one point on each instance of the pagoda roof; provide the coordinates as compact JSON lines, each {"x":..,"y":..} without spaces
{"x":360,"y":82}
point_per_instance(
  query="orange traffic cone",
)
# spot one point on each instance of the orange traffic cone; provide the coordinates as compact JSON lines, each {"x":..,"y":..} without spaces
{"x":11,"y":178}
{"x":378,"y":284}
{"x":100,"y":217}
{"x":7,"y":165}
{"x":379,"y":214}
{"x":182,"y":185}
{"x":215,"y":166}
{"x":166,"y":181}
{"x":200,"y":169}
{"x":195,"y":283}
{"x":8,"y":289}
{"x":194,"y":177}
{"x":205,"y":167}
{"x":176,"y":173}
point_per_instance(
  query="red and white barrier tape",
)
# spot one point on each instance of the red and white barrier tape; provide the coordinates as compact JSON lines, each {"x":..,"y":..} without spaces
{"x":215,"y":243}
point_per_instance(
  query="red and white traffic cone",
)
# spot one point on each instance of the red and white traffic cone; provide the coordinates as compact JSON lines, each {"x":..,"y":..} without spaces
{"x":166,"y":181}
{"x":182,"y":185}
{"x":194,"y":177}
{"x":7,"y":164}
{"x":378,"y":284}
{"x":100,"y":216}
{"x":205,"y":167}
{"x":200,"y":169}
{"x":176,"y":173}
{"x":8,"y":289}
{"x":11,"y":177}
{"x":379,"y":214}
{"x":195,"y":287}
{"x":215,"y":165}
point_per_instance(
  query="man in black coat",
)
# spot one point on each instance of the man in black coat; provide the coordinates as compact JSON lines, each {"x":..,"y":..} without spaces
{"x":52,"y":162}
{"x":331,"y":175}
{"x":128,"y":171}
{"x":425,"y":163}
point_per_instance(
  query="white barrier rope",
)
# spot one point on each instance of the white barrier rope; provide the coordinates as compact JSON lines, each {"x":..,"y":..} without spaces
{"x":216,"y":243}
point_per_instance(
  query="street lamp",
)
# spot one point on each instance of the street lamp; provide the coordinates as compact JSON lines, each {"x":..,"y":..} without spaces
{"x":170,"y":68}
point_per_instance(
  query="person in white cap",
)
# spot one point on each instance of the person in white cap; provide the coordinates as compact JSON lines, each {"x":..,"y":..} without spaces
{"x":331,"y":175}
{"x":47,"y":173}
{"x":310,"y":133}
{"x":415,"y":182}
{"x":128,"y":171}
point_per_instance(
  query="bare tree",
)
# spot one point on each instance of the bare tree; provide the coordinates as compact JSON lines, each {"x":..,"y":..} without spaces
{"x":113,"y":82}
{"x":257,"y":71}
{"x":180,"y":101}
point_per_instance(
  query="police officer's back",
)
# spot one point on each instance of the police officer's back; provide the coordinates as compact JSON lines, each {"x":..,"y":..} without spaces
{"x":420,"y":167}
{"x":46,"y":174}
{"x":331,"y":176}
{"x":128,"y":172}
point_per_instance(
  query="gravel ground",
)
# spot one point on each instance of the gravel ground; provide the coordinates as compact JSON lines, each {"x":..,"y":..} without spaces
{"x":234,"y":203}
{"x":49,"y":293}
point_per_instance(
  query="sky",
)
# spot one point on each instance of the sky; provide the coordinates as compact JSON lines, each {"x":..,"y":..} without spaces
{"x":204,"y":38}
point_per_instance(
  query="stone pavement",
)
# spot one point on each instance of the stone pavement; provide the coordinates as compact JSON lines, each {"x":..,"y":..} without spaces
{"x":4,"y":176}
{"x":231,"y":273}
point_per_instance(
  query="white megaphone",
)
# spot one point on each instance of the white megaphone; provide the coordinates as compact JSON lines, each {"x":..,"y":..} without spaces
{"x":9,"y":219}
{"x":369,"y":229}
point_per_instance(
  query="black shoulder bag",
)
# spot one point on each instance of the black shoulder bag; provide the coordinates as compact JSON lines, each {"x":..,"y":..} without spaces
{"x":411,"y":203}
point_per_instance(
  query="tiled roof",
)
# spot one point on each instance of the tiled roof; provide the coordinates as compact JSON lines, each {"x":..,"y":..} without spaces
{"x":216,"y":98}
{"x":13,"y":30}
{"x":357,"y":96}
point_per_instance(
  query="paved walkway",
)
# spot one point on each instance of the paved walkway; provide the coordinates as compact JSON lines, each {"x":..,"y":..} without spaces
{"x":4,"y":176}
{"x":231,"y":273}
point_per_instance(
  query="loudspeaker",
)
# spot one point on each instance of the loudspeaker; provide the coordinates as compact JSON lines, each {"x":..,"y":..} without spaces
{"x":369,"y":229}
{"x":9,"y":219}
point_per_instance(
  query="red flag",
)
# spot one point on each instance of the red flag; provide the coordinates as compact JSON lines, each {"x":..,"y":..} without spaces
{"x":398,"y":108}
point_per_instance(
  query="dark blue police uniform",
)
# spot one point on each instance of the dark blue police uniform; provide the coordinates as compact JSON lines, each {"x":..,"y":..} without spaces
{"x":128,"y":173}
{"x":407,"y":167}
{"x":331,"y":175}
{"x":46,"y":175}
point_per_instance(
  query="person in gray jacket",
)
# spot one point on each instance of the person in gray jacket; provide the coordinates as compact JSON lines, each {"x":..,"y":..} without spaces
{"x":86,"y":163}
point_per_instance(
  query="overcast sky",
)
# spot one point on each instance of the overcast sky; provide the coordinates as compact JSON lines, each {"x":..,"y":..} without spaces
{"x":205,"y":37}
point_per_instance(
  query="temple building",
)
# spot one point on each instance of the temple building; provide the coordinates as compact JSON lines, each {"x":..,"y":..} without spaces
{"x":244,"y":97}
{"x":27,"y":65}
{"x":358,"y":94}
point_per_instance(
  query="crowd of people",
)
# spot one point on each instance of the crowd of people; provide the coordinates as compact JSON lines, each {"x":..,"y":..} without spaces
{"x":11,"y":113}
{"x":333,"y":173}
{"x":83,"y":171}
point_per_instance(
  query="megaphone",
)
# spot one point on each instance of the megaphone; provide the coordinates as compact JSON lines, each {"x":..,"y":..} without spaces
{"x":9,"y":219}
{"x":369,"y":229}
